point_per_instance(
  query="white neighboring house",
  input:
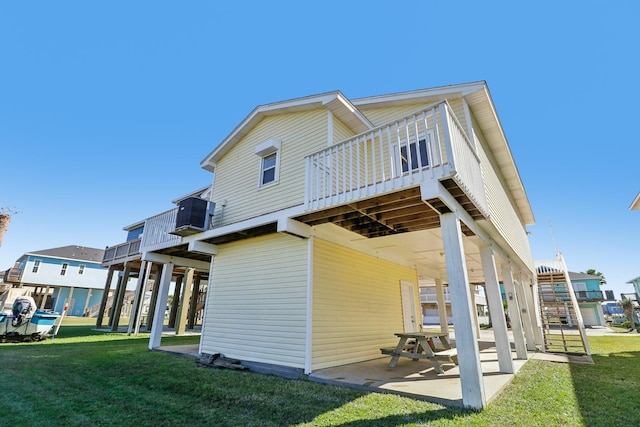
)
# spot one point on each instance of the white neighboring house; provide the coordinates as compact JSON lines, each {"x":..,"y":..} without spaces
{"x":429,"y":305}
{"x":54,"y":276}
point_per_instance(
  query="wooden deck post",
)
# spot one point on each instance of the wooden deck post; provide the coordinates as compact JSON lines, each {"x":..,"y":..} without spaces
{"x":105,"y":297}
{"x":184,"y":302}
{"x":514,"y":311}
{"x":191,"y":318}
{"x":473,"y":394}
{"x":494,"y":299}
{"x":119,"y":297}
{"x":154,"y":296}
{"x":161,"y":303}
{"x":176,"y":301}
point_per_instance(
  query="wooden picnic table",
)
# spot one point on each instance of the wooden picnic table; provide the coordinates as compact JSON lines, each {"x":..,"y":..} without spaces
{"x":420,"y":342}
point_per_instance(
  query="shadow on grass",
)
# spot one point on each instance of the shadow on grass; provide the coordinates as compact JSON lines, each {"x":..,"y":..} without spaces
{"x":607,"y":391}
{"x":88,"y":377}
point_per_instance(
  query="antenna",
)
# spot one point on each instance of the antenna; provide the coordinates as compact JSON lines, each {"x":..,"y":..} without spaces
{"x":553,"y":238}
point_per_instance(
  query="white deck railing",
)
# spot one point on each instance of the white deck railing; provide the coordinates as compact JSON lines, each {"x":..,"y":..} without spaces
{"x":156,"y":231}
{"x":121,"y":251}
{"x":430,"y":144}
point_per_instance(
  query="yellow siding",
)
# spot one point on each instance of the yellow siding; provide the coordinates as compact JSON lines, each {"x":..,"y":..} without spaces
{"x":340,"y":131}
{"x":238,"y":172}
{"x":356,"y":304}
{"x":257,"y":307}
{"x":380,"y":116}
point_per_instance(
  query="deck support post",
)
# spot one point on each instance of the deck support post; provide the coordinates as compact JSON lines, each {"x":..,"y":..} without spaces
{"x":523,"y":301}
{"x":442,"y":307}
{"x":473,"y":393}
{"x":139,"y":295}
{"x":119,"y":297}
{"x":176,"y":300}
{"x":193,"y":305}
{"x":105,"y":297}
{"x":161,"y":303}
{"x":494,"y":299}
{"x":183,"y":309}
{"x":514,"y":304}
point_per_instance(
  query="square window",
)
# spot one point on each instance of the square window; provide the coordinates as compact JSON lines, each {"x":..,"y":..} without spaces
{"x":63,"y":270}
{"x":81,"y":269}
{"x":36,"y":266}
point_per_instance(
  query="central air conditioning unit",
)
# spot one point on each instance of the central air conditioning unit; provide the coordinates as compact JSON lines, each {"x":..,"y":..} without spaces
{"x":194,"y":216}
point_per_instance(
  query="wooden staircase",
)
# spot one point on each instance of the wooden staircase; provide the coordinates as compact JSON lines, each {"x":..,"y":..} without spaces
{"x":562,"y":325}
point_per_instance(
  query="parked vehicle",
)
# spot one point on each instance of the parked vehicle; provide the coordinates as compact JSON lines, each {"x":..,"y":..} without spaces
{"x":26,"y":322}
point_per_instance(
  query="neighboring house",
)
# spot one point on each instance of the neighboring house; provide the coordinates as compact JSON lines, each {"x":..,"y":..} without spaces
{"x":590,"y":296}
{"x":68,"y":274}
{"x":636,"y":289}
{"x":325,"y":214}
{"x":429,"y":303}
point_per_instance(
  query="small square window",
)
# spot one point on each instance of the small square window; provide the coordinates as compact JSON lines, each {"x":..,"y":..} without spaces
{"x":63,"y":270}
{"x":36,"y":266}
{"x":81,"y":269}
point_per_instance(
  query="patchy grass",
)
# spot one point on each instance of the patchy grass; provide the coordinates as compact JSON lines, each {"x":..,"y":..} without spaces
{"x":86,"y":378}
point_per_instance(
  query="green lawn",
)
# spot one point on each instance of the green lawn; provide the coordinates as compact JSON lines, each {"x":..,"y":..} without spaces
{"x":87,"y":378}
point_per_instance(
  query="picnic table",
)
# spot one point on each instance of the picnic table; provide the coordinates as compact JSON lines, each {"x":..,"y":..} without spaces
{"x":420,"y":345}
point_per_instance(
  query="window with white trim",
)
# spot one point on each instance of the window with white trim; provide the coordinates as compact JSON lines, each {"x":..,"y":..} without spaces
{"x":36,"y":266}
{"x":63,"y":270}
{"x":269,"y":169}
{"x":269,"y":151}
{"x":81,"y":269}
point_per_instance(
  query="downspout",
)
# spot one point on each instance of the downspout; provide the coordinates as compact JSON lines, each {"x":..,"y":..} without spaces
{"x":309,"y":308}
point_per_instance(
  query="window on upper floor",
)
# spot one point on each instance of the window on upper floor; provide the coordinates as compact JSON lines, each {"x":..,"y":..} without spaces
{"x":269,"y":151}
{"x":269,"y":169}
{"x":36,"y":266}
{"x":81,"y":269}
{"x":63,"y":270}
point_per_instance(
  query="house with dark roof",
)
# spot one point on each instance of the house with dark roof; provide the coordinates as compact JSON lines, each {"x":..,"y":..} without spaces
{"x":68,"y":274}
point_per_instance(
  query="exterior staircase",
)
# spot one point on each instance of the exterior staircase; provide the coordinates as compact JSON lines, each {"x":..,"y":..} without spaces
{"x":562,"y":325}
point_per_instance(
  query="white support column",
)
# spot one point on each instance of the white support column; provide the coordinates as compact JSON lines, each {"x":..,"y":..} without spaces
{"x":525,"y":312}
{"x":86,"y":301}
{"x":534,"y":308}
{"x":147,"y":276}
{"x":514,"y":312}
{"x":492,"y":288}
{"x":136,"y":298}
{"x":44,"y":298}
{"x":181,"y":318}
{"x":473,"y":394}
{"x":472,"y":293}
{"x":442,"y":307}
{"x":161,"y":304}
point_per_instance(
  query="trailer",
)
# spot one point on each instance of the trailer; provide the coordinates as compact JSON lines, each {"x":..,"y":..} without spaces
{"x":26,"y":323}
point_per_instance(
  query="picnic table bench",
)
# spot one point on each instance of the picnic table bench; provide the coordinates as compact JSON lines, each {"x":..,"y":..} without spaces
{"x":420,"y":345}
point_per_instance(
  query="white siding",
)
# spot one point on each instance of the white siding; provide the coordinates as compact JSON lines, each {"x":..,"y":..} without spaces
{"x":340,"y":131}
{"x":94,"y":276}
{"x":357,"y":304}
{"x":238,"y":172}
{"x":257,"y":307}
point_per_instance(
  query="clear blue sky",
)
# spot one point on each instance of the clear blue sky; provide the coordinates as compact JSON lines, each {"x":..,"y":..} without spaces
{"x":107,"y":108}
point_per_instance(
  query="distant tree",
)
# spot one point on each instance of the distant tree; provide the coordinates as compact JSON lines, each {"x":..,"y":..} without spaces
{"x":5,"y":219}
{"x":592,"y":272}
{"x":627,"y":306}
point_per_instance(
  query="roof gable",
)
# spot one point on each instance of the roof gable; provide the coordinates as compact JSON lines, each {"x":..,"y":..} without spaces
{"x":335,"y":102}
{"x":80,"y":253}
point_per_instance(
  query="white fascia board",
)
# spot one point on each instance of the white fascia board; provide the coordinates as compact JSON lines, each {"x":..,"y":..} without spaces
{"x":175,"y":260}
{"x":442,"y":91}
{"x":249,"y":223}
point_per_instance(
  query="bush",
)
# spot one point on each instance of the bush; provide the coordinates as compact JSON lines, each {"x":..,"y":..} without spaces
{"x":625,"y":324}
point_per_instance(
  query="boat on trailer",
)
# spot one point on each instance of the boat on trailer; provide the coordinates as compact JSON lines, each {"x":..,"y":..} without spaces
{"x":26,"y":322}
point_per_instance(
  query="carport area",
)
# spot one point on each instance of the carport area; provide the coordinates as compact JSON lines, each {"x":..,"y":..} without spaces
{"x":418,"y":379}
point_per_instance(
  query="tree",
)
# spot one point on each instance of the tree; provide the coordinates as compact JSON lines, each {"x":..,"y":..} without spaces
{"x":592,"y":272}
{"x":627,"y":306}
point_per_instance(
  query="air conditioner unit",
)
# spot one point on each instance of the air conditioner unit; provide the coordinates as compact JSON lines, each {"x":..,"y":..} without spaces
{"x":194,"y":216}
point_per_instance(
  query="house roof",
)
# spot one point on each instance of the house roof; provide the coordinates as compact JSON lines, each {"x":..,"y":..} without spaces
{"x":635,"y":205}
{"x":480,"y":102}
{"x":582,"y":276}
{"x":476,"y":94}
{"x":334,"y":101}
{"x":74,"y":252}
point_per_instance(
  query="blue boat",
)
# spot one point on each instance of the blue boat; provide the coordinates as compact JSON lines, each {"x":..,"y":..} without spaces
{"x":25,"y":322}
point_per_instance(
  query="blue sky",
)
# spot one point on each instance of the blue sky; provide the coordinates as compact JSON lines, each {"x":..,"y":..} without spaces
{"x":107,"y":108}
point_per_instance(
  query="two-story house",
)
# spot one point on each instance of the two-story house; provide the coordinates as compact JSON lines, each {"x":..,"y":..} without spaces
{"x":68,"y":274}
{"x":327,"y":211}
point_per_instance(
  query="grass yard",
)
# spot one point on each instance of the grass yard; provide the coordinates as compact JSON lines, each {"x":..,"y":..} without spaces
{"x":88,"y":378}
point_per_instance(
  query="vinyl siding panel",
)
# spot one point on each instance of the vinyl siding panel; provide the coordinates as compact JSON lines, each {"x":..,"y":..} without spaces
{"x":340,"y":131}
{"x":257,"y":307}
{"x":238,"y":172}
{"x":501,"y":209}
{"x":356,"y":304}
